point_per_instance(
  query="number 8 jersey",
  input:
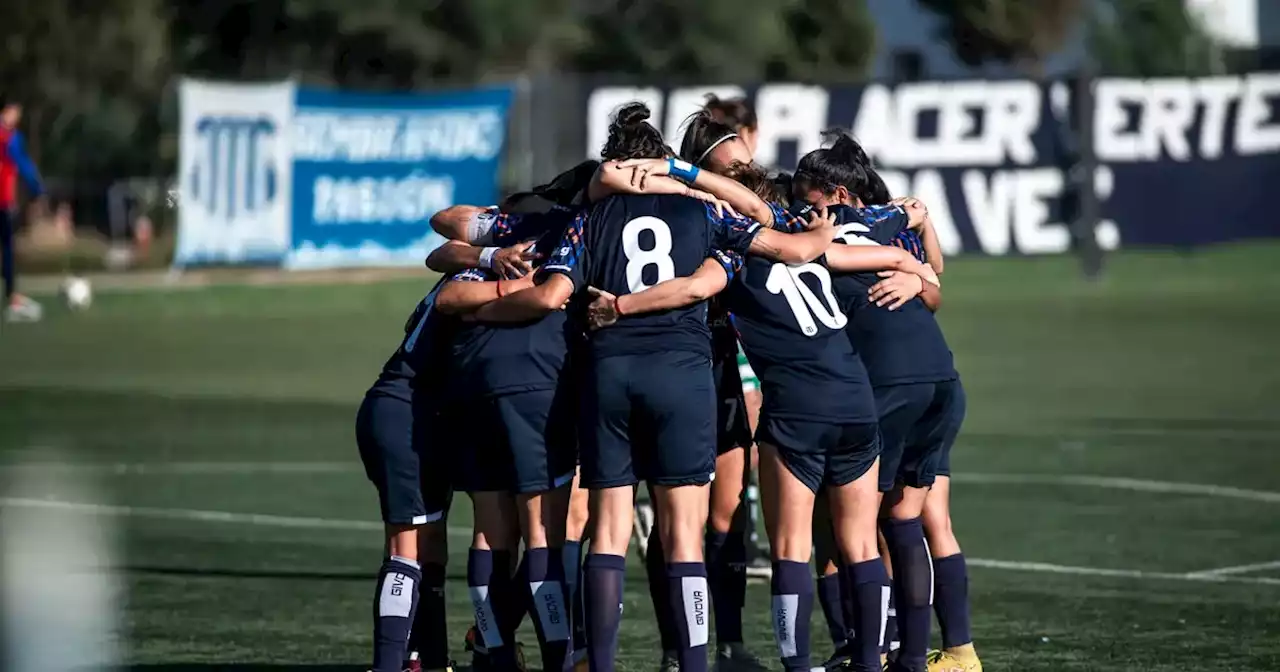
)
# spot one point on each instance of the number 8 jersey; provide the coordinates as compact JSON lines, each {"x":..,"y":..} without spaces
{"x":628,"y":243}
{"x":791,"y":327}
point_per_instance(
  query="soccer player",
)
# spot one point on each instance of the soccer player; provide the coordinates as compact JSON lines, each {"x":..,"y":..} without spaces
{"x":649,"y":402}
{"x":917,"y":390}
{"x":14,"y":163}
{"x":791,"y":330}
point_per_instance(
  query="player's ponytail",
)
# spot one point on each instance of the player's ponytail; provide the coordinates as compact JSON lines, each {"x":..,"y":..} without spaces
{"x":844,"y":164}
{"x":631,"y":136}
{"x":703,"y":133}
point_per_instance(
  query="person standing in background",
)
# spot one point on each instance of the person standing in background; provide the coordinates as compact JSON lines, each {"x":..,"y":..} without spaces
{"x":14,"y":162}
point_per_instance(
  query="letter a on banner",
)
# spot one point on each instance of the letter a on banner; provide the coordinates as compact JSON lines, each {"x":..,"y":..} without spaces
{"x":234,"y":172}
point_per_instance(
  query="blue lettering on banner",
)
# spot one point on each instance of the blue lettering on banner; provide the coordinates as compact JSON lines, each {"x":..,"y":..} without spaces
{"x":232,"y":176}
{"x":1180,"y":161}
{"x":370,"y":169}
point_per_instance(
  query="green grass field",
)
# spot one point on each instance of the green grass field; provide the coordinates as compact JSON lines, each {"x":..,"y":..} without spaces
{"x":1122,"y":437}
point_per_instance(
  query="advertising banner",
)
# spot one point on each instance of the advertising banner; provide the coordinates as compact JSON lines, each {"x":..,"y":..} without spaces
{"x":369,"y":170}
{"x":234,"y":172}
{"x":1180,"y":161}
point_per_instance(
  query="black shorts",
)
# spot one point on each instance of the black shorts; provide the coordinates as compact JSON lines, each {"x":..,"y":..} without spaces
{"x":733,"y":429}
{"x":648,"y":417}
{"x":822,"y":453}
{"x":524,"y":442}
{"x":918,"y":423}
{"x":403,"y":460}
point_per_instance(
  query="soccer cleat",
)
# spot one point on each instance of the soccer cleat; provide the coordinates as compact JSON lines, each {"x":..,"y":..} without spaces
{"x":841,"y":659}
{"x":670,"y":662}
{"x":580,"y":662}
{"x":735,"y":657}
{"x":23,"y":309}
{"x":959,"y":659}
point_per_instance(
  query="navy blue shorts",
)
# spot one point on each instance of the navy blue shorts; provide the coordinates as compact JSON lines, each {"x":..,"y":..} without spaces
{"x":941,"y":424}
{"x":523,"y":442}
{"x":733,"y":429}
{"x":822,"y":453}
{"x":648,"y":417}
{"x":403,"y":461}
{"x":918,"y":423}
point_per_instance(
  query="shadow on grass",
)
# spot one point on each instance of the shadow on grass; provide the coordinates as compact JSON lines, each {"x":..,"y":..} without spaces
{"x":260,"y":574}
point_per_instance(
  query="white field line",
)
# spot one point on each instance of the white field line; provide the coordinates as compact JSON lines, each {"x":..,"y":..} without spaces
{"x":1237,"y":569}
{"x":227,"y":517}
{"x":1117,"y":483}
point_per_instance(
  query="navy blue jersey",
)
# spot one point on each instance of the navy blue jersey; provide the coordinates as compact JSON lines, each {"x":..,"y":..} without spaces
{"x":418,"y":364}
{"x":628,"y":243}
{"x":792,"y":332}
{"x":901,"y":346}
{"x":500,"y":358}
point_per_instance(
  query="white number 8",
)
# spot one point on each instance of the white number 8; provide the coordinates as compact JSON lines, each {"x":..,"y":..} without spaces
{"x":638,"y":259}
{"x":806,"y":305}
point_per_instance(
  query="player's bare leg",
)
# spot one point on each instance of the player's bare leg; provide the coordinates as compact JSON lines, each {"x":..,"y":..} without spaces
{"x":543,"y":518}
{"x":854,"y":509}
{"x":758,"y":564}
{"x":951,"y":584}
{"x":787,"y":504}
{"x":494,"y":596}
{"x":912,"y":573}
{"x":611,"y":512}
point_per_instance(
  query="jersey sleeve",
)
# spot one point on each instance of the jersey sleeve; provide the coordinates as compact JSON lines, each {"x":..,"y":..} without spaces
{"x":493,"y":227}
{"x":473,"y":275}
{"x":568,"y":257}
{"x":910,"y":241}
{"x":731,"y":262}
{"x":731,"y":234}
{"x":787,"y":220}
{"x":885,"y":222}
{"x":26,"y":167}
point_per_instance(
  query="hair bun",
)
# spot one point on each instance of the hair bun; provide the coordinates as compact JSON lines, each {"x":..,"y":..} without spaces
{"x":631,"y":114}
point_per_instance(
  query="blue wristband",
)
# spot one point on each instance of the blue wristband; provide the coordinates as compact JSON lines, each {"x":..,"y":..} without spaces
{"x":682,"y":170}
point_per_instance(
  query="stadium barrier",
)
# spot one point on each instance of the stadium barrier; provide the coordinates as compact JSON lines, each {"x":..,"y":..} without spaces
{"x":308,"y":179}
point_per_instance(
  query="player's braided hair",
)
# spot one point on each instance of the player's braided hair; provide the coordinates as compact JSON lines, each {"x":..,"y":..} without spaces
{"x":631,"y":136}
{"x":845,"y":163}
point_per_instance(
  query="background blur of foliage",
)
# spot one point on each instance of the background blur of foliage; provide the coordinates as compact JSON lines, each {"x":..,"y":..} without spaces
{"x":98,"y":76}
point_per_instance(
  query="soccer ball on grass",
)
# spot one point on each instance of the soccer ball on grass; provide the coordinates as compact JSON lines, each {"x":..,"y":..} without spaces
{"x":77,"y":293}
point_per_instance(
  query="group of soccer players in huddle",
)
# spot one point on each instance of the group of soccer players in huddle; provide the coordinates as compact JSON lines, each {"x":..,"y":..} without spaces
{"x":584,"y":339}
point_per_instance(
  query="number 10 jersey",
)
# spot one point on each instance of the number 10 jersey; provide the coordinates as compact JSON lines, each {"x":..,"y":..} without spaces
{"x":628,"y":243}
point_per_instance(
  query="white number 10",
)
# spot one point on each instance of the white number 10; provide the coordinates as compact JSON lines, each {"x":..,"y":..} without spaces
{"x":638,"y":259}
{"x":806,"y":305}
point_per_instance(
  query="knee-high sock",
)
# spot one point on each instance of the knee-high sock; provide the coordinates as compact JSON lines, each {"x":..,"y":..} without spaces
{"x":726,"y":554}
{"x":655,"y":568}
{"x":951,"y":600}
{"x":430,"y":638}
{"x":792,"y":586}
{"x":891,"y":624}
{"x":6,"y":255}
{"x":913,"y":588}
{"x":489,"y":586}
{"x":603,"y":578}
{"x":869,"y":583}
{"x":572,"y":555}
{"x":689,"y":613}
{"x":544,"y":576}
{"x":831,"y":598}
{"x":393,"y":608}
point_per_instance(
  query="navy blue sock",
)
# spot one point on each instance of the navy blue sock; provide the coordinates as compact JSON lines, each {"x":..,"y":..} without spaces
{"x":6,"y":254}
{"x":890,"y":624}
{"x":913,"y":587}
{"x":430,"y":638}
{"x":689,"y":613}
{"x":830,"y":597}
{"x":602,"y":585}
{"x":514,"y":595}
{"x":544,"y":574}
{"x":792,"y":588}
{"x":488,"y":583}
{"x":868,"y":583}
{"x":393,"y":608}
{"x":655,"y":569}
{"x":726,"y":554}
{"x":951,"y":600}
{"x":572,"y":555}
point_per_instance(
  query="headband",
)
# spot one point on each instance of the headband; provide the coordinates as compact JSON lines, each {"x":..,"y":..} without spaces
{"x":715,"y":144}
